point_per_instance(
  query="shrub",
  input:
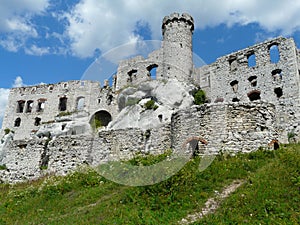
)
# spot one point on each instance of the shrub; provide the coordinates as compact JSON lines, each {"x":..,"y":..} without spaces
{"x":3,"y":167}
{"x":96,"y":123}
{"x":64,"y":114}
{"x":199,"y":97}
{"x":7,"y":131}
{"x":150,"y":105}
{"x":291,"y":136}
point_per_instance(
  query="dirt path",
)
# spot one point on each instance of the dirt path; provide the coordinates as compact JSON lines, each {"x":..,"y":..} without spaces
{"x":212,"y":204}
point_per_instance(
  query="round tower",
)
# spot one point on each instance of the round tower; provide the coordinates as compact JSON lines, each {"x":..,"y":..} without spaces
{"x":177,"y":33}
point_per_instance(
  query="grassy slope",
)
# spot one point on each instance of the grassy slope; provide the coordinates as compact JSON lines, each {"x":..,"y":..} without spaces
{"x":271,"y":195}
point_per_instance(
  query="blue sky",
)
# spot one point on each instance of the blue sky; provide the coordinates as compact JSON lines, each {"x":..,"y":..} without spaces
{"x":51,"y":41}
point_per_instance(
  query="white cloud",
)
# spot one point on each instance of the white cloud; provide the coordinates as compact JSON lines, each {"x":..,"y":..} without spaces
{"x":18,"y":82}
{"x":16,"y":24}
{"x":91,"y":25}
{"x":104,"y":24}
{"x":35,"y":50}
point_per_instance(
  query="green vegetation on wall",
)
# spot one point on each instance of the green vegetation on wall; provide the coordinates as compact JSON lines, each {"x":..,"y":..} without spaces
{"x":150,"y":105}
{"x":199,"y":97}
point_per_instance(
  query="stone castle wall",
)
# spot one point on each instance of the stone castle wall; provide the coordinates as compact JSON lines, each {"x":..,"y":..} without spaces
{"x":30,"y":108}
{"x":226,"y":127}
{"x":253,"y":95}
{"x":256,"y":73}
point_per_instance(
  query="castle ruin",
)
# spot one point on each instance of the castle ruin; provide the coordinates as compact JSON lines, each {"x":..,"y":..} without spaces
{"x":252,"y":101}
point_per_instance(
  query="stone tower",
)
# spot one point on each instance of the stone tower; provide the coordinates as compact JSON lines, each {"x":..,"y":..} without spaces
{"x":177,"y":33}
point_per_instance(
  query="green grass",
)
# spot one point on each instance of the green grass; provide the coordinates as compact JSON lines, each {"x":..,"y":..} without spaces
{"x":271,"y":194}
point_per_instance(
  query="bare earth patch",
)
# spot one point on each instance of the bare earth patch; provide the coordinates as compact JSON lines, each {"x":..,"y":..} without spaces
{"x":212,"y":204}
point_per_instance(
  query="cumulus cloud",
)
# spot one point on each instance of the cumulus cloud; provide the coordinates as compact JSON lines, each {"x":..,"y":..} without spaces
{"x":94,"y":24}
{"x":16,"y":25}
{"x":35,"y":50}
{"x":4,"y":93}
{"x":89,"y":26}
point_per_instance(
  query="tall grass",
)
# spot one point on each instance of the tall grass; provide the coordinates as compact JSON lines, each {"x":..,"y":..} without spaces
{"x":271,"y":194}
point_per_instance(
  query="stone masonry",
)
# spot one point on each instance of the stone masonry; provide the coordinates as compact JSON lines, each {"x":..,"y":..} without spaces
{"x":252,"y":102}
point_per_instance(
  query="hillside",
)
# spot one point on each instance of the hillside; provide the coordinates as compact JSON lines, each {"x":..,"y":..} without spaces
{"x":270,"y":194}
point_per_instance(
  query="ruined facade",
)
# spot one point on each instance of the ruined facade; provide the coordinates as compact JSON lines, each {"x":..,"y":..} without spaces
{"x":253,"y":101}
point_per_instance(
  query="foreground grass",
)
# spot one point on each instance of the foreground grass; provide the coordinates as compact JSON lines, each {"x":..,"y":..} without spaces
{"x":271,"y":194}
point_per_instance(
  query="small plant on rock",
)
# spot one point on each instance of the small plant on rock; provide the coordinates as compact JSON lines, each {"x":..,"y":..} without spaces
{"x":199,"y":97}
{"x":150,"y":105}
{"x":3,"y":167}
{"x":7,"y":131}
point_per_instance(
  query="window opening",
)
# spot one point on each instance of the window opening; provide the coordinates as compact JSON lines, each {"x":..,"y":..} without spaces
{"x":278,"y":91}
{"x":63,"y":126}
{"x":152,"y":71}
{"x":277,"y":76}
{"x":251,"y":60}
{"x":235,"y":100}
{"x":80,"y":103}
{"x":274,"y":53}
{"x":40,"y":105}
{"x":17,"y":122}
{"x":51,"y":88}
{"x":131,"y":74}
{"x":62,"y":104}
{"x":29,"y":106}
{"x":233,"y":63}
{"x":253,"y":81}
{"x":254,"y":95}
{"x":37,"y":121}
{"x":234,"y":85}
{"x":20,"y":106}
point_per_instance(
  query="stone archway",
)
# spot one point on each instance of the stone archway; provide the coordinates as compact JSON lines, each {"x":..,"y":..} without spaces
{"x":100,"y":119}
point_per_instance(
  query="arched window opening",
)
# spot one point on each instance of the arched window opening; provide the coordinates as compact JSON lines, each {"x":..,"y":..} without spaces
{"x":37,"y":121}
{"x":251,"y":60}
{"x":278,"y":91}
{"x":17,"y":122}
{"x":253,"y":81}
{"x":29,"y":105}
{"x":234,"y":85}
{"x":131,"y":75}
{"x":62,"y":104}
{"x":235,"y":100}
{"x":277,"y":76}
{"x":274,"y":53}
{"x":233,"y":63}
{"x":152,"y":71}
{"x":51,"y":88}
{"x":254,"y":95}
{"x":20,"y":106}
{"x":100,"y":119}
{"x":41,"y":105}
{"x":80,"y":103}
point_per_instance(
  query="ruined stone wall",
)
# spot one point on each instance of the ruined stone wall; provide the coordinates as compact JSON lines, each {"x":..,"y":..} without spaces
{"x":136,"y":70}
{"x":224,"y":127}
{"x":29,"y":108}
{"x":31,"y":159}
{"x":256,"y":74}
